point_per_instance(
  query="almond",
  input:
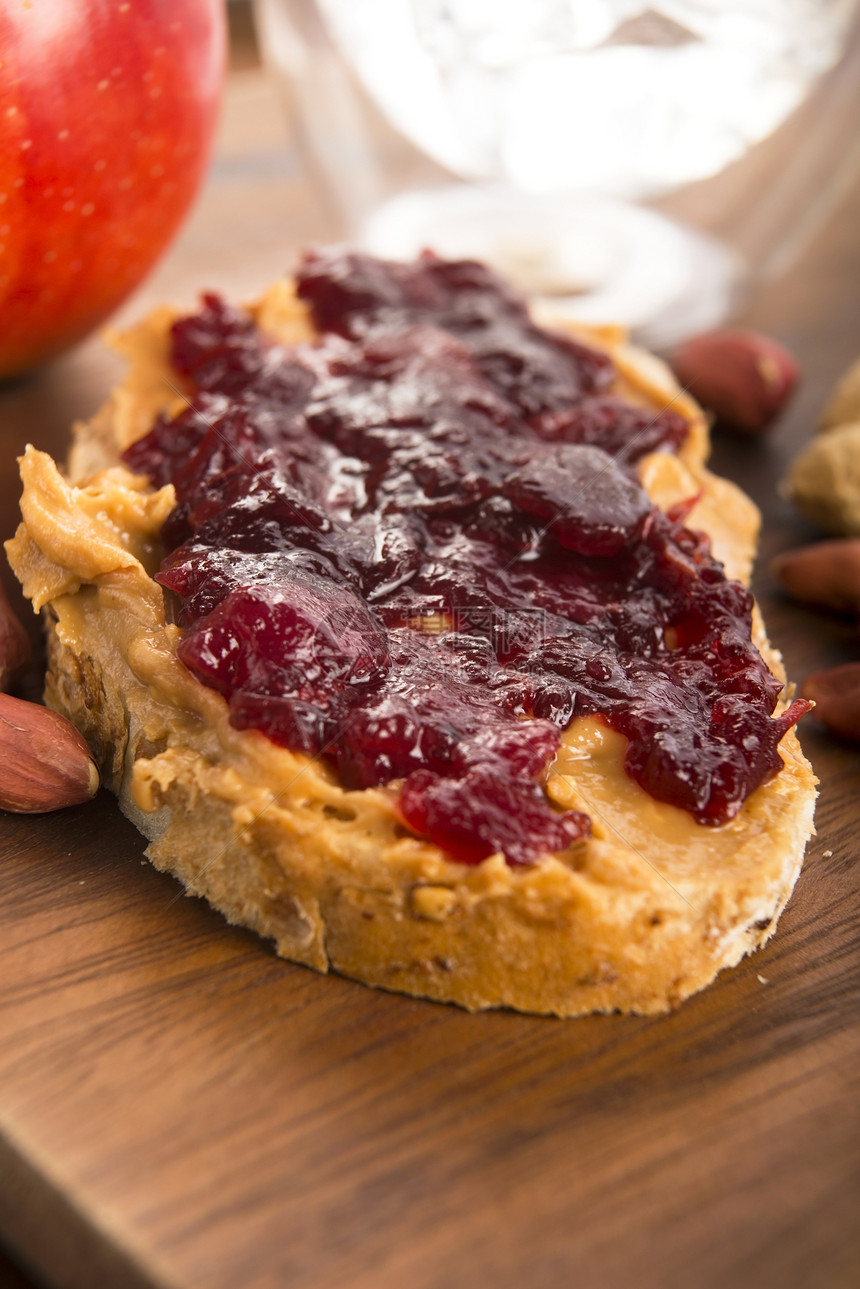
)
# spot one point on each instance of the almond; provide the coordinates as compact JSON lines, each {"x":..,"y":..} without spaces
{"x":14,"y":644}
{"x":836,"y":694}
{"x":826,"y":573}
{"x":743,"y":377}
{"x":44,"y":762}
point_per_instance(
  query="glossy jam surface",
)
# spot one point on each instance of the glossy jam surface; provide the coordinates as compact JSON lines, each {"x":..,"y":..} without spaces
{"x":418,"y":548}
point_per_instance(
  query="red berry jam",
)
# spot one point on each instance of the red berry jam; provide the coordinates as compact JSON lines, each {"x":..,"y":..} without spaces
{"x":418,"y":548}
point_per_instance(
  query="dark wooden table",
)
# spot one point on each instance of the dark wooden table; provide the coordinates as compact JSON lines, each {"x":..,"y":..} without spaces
{"x":180,"y":1108}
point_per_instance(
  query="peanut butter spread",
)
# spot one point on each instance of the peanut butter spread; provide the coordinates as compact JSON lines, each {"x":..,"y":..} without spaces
{"x":641,"y":914}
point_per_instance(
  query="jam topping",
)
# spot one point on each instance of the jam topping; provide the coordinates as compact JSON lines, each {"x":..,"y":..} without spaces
{"x":417,"y":548}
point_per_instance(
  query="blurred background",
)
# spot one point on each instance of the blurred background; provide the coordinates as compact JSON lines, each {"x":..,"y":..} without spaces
{"x":665,"y":219}
{"x":597,"y":153}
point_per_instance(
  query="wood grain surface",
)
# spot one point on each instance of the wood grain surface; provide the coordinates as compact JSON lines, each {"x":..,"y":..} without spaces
{"x":179,"y":1108}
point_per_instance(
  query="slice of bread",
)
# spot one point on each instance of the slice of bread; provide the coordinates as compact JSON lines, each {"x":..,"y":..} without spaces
{"x":638,"y":917}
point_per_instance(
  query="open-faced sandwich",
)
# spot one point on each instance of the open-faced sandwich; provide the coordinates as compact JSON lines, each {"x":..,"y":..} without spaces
{"x":414,"y":636}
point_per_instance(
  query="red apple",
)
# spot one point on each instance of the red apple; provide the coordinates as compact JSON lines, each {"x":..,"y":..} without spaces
{"x":107,"y":109}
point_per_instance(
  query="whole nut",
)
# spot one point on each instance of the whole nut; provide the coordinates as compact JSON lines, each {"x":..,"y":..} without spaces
{"x":824,"y":480}
{"x":44,"y":762}
{"x":745,"y":378}
{"x":844,"y":403}
{"x":836,"y":694}
{"x":14,"y":644}
{"x":826,"y":573}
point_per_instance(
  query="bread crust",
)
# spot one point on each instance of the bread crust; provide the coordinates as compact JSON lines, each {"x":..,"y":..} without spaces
{"x":637,"y":918}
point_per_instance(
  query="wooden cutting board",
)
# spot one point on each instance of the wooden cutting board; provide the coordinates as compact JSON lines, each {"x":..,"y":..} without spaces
{"x":180,"y":1108}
